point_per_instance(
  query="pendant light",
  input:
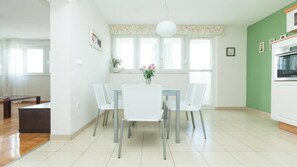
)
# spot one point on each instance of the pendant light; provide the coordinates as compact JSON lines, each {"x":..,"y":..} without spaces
{"x":166,"y":28}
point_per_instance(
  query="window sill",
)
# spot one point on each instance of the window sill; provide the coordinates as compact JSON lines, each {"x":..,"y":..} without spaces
{"x":37,"y":75}
{"x":157,"y":72}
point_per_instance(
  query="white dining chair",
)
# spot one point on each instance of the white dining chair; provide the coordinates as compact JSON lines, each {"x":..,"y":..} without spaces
{"x":142,"y":103}
{"x":188,"y":98}
{"x":110,"y":99}
{"x":109,"y":88}
{"x":193,"y":105}
{"x":102,"y":104}
{"x":109,"y":92}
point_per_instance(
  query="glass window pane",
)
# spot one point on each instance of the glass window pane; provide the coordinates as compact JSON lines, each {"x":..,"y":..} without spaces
{"x":125,"y":52}
{"x":172,"y":53}
{"x":149,"y":52}
{"x":35,"y":60}
{"x":203,"y":77}
{"x":200,"y":54}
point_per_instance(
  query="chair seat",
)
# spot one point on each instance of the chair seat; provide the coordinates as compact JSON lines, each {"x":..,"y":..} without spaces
{"x":120,"y":105}
{"x":144,"y":120}
{"x":184,"y":106}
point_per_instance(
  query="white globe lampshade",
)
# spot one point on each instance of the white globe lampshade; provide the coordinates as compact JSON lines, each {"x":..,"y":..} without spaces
{"x":166,"y":28}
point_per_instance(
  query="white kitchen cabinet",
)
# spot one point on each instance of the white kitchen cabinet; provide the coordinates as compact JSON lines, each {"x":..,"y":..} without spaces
{"x":291,"y":18}
{"x":283,"y":93}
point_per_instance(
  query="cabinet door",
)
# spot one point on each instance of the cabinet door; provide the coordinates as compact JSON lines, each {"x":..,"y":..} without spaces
{"x":292,"y":20}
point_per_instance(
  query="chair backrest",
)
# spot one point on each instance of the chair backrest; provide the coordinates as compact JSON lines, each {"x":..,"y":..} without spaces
{"x":109,"y":92}
{"x":99,"y":93}
{"x":199,"y":92}
{"x":190,"y":93}
{"x":142,"y":102}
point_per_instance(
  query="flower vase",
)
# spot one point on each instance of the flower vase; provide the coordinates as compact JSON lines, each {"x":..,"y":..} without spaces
{"x":148,"y":81}
{"x":116,"y":70}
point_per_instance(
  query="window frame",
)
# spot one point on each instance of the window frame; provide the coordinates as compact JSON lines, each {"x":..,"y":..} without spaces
{"x":160,"y":69}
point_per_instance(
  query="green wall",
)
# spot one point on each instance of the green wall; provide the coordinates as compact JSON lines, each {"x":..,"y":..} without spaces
{"x":259,"y":64}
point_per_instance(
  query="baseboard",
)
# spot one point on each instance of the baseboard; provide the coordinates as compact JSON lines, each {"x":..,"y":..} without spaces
{"x":230,"y":108}
{"x":72,"y":136}
{"x":244,"y":108}
{"x":287,"y":127}
{"x":82,"y":129}
{"x":258,"y":111}
{"x":60,"y":137}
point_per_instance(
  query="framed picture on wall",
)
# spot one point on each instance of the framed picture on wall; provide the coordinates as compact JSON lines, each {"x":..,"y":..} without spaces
{"x":95,"y":40}
{"x":261,"y":47}
{"x":270,"y":43}
{"x":230,"y":51}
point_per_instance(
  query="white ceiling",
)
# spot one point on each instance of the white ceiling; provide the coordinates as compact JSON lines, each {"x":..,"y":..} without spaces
{"x":30,"y":18}
{"x":224,"y":12}
{"x":27,"y":19}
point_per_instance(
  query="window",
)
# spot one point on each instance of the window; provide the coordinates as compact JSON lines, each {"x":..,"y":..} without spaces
{"x":137,"y":51}
{"x":149,"y":54}
{"x":200,"y":66}
{"x":36,"y":60}
{"x":172,"y":53}
{"x":124,"y":50}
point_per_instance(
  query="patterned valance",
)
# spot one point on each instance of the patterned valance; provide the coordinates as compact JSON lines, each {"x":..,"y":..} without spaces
{"x":181,"y":29}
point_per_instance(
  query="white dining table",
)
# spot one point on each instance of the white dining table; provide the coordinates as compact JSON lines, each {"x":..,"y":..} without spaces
{"x":166,"y":93}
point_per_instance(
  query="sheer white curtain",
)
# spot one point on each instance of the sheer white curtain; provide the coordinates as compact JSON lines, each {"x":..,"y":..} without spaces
{"x":12,"y":78}
{"x":1,"y":66}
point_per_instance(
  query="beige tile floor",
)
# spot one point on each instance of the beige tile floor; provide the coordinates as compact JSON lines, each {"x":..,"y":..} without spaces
{"x":235,"y":138}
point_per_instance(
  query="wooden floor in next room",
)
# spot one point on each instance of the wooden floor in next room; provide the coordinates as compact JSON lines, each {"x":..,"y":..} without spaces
{"x":13,"y":144}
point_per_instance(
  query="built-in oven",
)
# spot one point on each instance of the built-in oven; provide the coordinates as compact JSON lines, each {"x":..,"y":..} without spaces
{"x":285,"y":63}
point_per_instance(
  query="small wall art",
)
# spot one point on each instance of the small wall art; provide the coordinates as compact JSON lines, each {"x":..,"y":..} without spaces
{"x":95,"y":40}
{"x":230,"y":51}
{"x":261,"y":47}
{"x":270,"y":43}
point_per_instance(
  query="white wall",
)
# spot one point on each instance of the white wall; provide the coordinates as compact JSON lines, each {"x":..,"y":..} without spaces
{"x":231,"y":71}
{"x":230,"y":87}
{"x":71,"y":83}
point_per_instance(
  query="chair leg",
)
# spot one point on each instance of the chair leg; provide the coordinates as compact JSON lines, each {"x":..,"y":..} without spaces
{"x":187,"y":115}
{"x":121,"y":138}
{"x":129,"y":129}
{"x":104,"y":117}
{"x":163,"y":139}
{"x":97,"y":120}
{"x":193,"y":122}
{"x":168,"y":123}
{"x":202,"y":122}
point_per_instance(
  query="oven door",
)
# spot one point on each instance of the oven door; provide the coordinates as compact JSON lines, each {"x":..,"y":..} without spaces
{"x":285,"y":66}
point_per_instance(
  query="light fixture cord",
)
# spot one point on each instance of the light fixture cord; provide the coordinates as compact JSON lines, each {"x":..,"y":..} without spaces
{"x":166,"y":7}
